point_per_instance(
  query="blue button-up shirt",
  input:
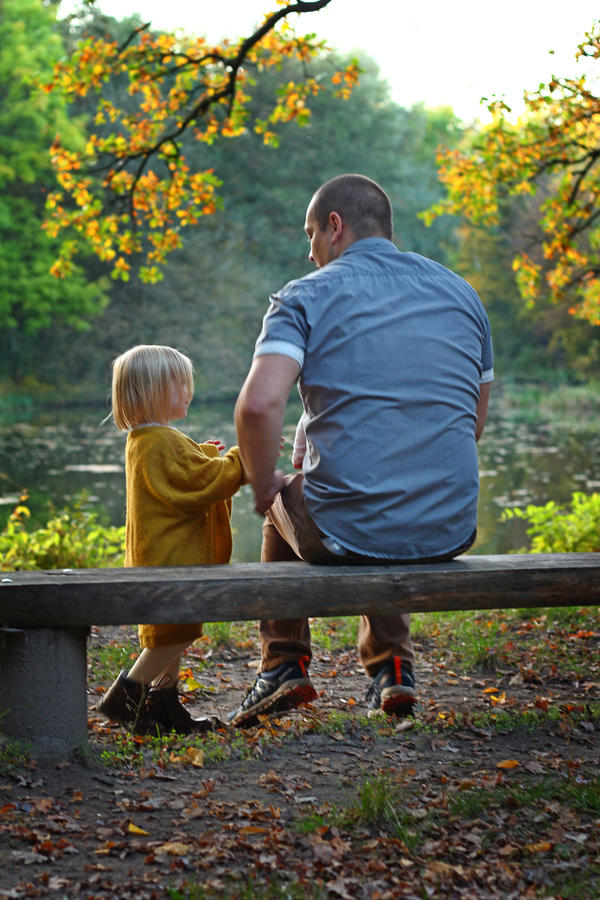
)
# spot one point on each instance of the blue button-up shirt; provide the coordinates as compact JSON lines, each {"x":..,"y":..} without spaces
{"x":392,"y":348}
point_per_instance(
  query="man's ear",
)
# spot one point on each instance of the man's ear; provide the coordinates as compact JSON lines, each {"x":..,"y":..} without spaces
{"x":336,"y":226}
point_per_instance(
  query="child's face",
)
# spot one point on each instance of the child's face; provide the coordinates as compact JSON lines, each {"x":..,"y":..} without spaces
{"x":179,"y":400}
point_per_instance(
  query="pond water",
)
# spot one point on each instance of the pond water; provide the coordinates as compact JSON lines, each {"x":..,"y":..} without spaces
{"x":56,"y":454}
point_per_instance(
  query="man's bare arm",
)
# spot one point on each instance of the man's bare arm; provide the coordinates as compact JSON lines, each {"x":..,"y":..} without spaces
{"x":259,"y":413}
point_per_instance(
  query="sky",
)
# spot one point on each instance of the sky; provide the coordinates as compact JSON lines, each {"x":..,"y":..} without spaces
{"x":432,"y":51}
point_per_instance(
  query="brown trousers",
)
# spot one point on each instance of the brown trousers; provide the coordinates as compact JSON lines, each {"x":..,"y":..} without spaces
{"x":289,"y":533}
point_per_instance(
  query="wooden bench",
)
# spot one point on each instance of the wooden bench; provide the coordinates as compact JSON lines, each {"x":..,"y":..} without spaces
{"x":45,"y":616}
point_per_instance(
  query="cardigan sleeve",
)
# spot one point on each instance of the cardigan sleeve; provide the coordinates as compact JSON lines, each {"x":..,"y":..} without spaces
{"x":190,"y":476}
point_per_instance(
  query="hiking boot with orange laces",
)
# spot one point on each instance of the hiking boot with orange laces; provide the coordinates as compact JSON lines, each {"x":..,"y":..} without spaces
{"x":277,"y":690}
{"x":393,"y":689}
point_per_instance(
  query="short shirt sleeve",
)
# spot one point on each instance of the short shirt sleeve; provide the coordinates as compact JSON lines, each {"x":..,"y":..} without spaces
{"x":284,"y":330}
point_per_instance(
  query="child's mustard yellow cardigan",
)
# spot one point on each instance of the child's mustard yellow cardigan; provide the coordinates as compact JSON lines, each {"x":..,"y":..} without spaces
{"x":178,"y":509}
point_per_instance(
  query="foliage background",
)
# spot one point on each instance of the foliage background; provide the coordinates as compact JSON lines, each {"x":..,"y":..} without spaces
{"x":58,"y":337}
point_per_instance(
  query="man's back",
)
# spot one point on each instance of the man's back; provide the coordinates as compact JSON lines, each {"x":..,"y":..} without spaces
{"x":393,"y":352}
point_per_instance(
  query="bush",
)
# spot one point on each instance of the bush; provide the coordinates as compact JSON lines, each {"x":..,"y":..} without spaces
{"x":71,"y":539}
{"x":557,"y":530}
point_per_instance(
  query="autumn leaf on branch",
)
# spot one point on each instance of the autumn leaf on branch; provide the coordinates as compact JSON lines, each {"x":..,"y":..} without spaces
{"x":555,"y":146}
{"x":133,"y":188}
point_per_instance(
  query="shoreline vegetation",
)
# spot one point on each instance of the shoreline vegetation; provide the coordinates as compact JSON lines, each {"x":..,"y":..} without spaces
{"x":527,"y":399}
{"x":15,"y":407}
{"x":52,"y":530}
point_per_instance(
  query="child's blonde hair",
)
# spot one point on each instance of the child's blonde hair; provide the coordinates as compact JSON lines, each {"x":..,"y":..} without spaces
{"x":142,"y":379}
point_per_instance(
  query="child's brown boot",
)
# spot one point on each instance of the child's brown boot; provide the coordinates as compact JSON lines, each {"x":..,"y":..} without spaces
{"x":125,"y":702}
{"x":164,"y":706}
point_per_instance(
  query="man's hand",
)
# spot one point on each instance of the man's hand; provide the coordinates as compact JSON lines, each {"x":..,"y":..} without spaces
{"x":264,"y":502}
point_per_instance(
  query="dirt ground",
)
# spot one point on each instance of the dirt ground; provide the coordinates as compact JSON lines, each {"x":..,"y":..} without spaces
{"x":257,"y":813}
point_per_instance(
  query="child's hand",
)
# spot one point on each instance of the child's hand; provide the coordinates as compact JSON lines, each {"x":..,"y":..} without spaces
{"x":218,"y":444}
{"x":299,"y":448}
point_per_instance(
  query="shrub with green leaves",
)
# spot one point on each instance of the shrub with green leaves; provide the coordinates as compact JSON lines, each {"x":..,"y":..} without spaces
{"x":72,"y":538}
{"x":556,"y":529}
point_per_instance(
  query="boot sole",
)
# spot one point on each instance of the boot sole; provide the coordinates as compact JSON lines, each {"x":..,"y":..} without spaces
{"x":141,"y":725}
{"x":396,"y":702}
{"x":289,"y":696}
{"x":196,"y":726}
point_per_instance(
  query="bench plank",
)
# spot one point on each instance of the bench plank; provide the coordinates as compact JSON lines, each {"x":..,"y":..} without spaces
{"x":45,"y":615}
{"x":245,"y":591}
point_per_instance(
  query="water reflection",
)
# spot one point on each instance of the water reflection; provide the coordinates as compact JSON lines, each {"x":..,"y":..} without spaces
{"x":53,"y":460}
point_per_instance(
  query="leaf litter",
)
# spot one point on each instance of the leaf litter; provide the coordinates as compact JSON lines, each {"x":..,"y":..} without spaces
{"x":492,"y":790}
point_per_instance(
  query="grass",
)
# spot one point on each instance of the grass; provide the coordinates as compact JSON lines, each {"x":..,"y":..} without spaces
{"x":378,"y":806}
{"x":581,"y":884}
{"x":524,"y":813}
{"x":474,"y":640}
{"x":106,"y":661}
{"x":530,"y":797}
{"x":339,"y":722}
{"x":221,"y":634}
{"x":269,"y":890}
{"x":123,"y":750}
{"x":335,"y":634}
{"x":127,"y":751}
{"x":14,"y":755}
{"x":524,"y":641}
{"x":328,"y":634}
{"x":468,"y":639}
{"x":492,"y":639}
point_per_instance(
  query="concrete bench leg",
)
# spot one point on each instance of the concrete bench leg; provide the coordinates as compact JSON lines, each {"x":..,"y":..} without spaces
{"x":43,"y":684}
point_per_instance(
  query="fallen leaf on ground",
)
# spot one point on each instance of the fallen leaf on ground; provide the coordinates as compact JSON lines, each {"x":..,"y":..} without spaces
{"x":174,"y":848}
{"x":191,"y":756}
{"x":541,"y":847}
{"x":133,"y":829}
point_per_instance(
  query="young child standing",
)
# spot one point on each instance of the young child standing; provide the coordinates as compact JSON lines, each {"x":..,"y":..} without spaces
{"x":178,"y":514}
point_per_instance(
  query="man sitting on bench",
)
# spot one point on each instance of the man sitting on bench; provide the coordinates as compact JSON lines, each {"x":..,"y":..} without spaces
{"x":394,"y":358}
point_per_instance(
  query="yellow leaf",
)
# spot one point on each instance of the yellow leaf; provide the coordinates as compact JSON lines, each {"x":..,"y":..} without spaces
{"x":133,"y":829}
{"x":191,"y":756}
{"x":174,"y":848}
{"x":195,"y":756}
{"x":541,"y":847}
{"x":508,"y":764}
